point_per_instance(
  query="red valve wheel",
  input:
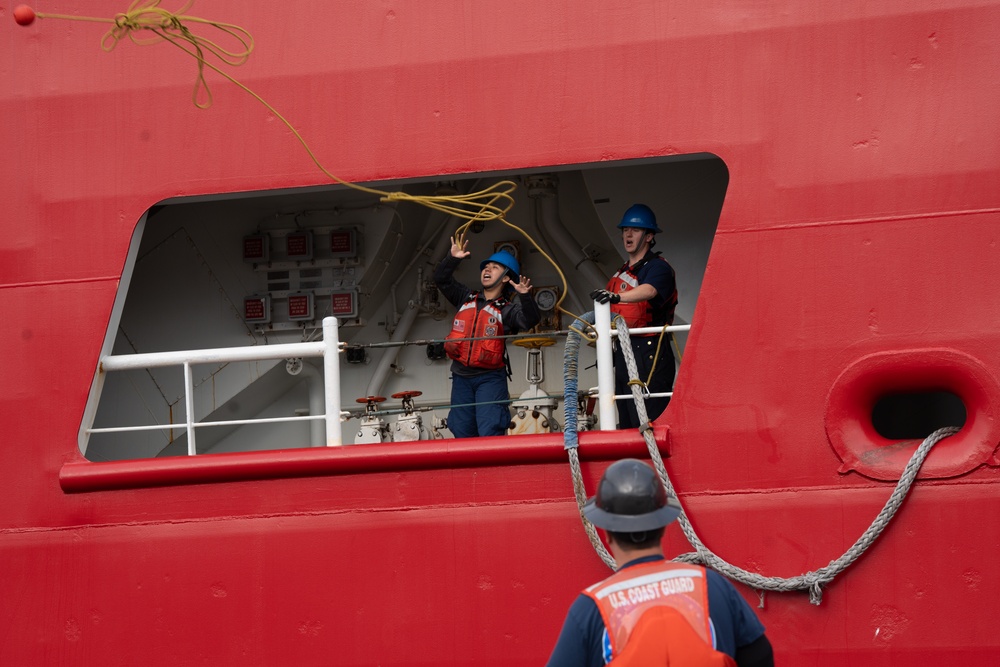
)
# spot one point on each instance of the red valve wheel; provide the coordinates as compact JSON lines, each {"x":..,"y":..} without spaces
{"x":407,"y":394}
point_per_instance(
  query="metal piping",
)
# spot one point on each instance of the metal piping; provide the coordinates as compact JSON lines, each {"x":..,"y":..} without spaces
{"x":389,"y":357}
{"x":405,"y":323}
{"x":549,"y":221}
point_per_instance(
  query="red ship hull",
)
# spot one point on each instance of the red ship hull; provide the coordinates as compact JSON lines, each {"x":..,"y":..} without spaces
{"x":856,"y":249}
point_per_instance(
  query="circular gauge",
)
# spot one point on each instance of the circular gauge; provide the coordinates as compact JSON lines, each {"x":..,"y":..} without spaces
{"x":546,"y":298}
{"x":508,"y":247}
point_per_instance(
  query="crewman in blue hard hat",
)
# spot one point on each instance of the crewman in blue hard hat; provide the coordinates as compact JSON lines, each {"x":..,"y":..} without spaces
{"x":480,"y":366}
{"x":644,"y":293}
{"x":653,"y":611}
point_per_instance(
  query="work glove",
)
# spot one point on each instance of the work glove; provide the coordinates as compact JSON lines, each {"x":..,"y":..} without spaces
{"x":603,"y":296}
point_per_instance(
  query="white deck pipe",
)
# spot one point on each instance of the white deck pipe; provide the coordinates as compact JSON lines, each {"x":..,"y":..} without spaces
{"x":189,"y":407}
{"x":605,"y":368}
{"x":331,"y":371}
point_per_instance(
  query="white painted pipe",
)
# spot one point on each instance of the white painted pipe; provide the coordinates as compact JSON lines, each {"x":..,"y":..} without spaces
{"x":605,"y":368}
{"x":124,"y":362}
{"x":331,"y":372}
{"x":189,"y":407}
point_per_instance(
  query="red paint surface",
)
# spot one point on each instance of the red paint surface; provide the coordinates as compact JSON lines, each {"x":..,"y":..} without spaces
{"x":862,"y":218}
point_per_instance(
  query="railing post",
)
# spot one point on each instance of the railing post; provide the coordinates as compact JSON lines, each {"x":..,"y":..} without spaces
{"x":189,"y":407}
{"x":605,"y":368}
{"x":331,"y":381}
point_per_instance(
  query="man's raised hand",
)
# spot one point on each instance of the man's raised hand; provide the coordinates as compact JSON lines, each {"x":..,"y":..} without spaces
{"x":459,"y":247}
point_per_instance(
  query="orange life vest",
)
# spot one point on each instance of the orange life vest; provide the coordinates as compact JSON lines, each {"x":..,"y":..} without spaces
{"x":667,"y":595}
{"x":472,"y":322}
{"x":664,"y":637}
{"x":637,"y":314}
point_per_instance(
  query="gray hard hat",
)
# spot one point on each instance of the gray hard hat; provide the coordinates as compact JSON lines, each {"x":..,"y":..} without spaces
{"x":631,"y":499}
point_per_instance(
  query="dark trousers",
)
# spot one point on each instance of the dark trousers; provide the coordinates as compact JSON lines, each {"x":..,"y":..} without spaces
{"x":644,"y":348}
{"x":490,"y":418}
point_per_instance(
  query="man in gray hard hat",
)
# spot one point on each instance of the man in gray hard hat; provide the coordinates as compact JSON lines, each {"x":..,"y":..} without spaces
{"x":654,"y":611}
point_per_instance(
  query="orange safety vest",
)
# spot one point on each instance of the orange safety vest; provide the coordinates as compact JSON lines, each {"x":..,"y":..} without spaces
{"x":472,"y":322}
{"x":637,"y":314}
{"x":663,"y":606}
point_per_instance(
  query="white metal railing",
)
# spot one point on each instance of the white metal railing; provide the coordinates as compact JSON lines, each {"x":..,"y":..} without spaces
{"x":605,"y":364}
{"x":328,"y":348}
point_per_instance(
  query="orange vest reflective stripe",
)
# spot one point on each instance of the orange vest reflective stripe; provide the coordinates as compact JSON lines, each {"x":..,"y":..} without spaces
{"x":471,"y":322}
{"x":679,"y":591}
{"x":635,"y":314}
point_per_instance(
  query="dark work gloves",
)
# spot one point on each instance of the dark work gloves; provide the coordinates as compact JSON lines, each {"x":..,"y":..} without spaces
{"x":603,"y":296}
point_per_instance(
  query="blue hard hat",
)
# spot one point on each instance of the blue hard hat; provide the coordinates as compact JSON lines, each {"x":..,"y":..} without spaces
{"x":506,"y":260}
{"x":640,"y":216}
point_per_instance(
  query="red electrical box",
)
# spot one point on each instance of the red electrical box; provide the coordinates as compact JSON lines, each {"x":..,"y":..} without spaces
{"x":300,"y":306}
{"x":299,"y":245}
{"x":344,"y":304}
{"x":343,"y":243}
{"x":257,"y":309}
{"x":256,"y":248}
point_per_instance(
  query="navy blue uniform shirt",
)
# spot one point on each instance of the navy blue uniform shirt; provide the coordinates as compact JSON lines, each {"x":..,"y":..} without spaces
{"x":583,"y":640}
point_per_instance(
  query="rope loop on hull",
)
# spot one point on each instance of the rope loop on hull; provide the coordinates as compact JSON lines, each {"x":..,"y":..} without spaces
{"x":813,"y":581}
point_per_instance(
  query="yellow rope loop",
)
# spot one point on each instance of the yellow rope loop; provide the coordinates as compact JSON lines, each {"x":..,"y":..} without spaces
{"x":124,"y":24}
{"x":491,"y":203}
{"x":656,"y":355}
{"x":173,"y":22}
{"x":147,"y":15}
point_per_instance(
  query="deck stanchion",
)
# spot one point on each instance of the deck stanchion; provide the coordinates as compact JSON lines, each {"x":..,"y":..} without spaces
{"x":331,"y":381}
{"x":189,"y":407}
{"x":605,"y":368}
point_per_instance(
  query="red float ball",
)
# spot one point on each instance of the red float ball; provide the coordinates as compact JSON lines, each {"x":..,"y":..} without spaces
{"x":24,"y":15}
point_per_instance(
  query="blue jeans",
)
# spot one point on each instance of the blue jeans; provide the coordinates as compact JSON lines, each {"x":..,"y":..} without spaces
{"x":487,"y":417}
